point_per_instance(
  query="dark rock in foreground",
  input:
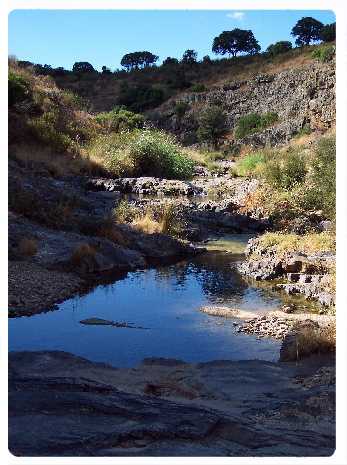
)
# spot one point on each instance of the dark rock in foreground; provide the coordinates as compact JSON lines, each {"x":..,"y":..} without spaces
{"x":63,"y":405}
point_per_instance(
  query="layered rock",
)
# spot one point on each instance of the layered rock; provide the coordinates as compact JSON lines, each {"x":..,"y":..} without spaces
{"x":303,"y":273}
{"x":63,"y":405}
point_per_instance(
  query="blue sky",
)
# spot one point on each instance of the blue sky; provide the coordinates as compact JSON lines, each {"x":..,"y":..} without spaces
{"x":61,"y":37}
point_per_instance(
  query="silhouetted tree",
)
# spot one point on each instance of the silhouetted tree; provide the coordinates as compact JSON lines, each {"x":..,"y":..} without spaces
{"x":234,"y":42}
{"x":206,"y":59}
{"x":138,"y":60}
{"x":328,"y":32}
{"x":307,"y":30}
{"x":106,"y":70}
{"x":279,"y":47}
{"x":170,"y":61}
{"x":82,"y":67}
{"x":189,"y":57}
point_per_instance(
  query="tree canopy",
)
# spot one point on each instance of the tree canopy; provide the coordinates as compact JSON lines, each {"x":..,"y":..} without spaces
{"x":170,"y":61}
{"x":328,"y":32}
{"x":82,"y":67}
{"x":279,"y":47}
{"x":212,"y":124}
{"x":136,"y":60}
{"x":189,"y":57}
{"x":234,"y":42}
{"x":307,"y":30}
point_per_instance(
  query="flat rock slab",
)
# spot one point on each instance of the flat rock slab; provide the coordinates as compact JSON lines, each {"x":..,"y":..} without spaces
{"x":63,"y":405}
{"x":227,"y":312}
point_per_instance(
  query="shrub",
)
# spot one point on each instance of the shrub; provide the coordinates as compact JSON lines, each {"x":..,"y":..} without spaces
{"x":27,"y":247}
{"x":147,"y":223}
{"x":254,"y":122}
{"x":279,"y":47}
{"x":286,"y":171}
{"x":198,"y":88}
{"x":125,"y":212}
{"x":120,"y":119}
{"x":324,"y":54}
{"x":141,"y":97}
{"x":249,"y":164}
{"x":328,"y":32}
{"x":321,"y":339}
{"x":171,"y":221}
{"x":157,"y":154}
{"x":18,"y":89}
{"x":321,"y":192}
{"x":212,"y":124}
{"x":180,"y":109}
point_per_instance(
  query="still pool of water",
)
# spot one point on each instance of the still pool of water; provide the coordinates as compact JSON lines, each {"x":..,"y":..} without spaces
{"x":164,"y":300}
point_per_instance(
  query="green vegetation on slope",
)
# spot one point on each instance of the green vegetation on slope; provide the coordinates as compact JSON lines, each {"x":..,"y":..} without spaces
{"x":295,"y":180}
{"x":114,"y":143}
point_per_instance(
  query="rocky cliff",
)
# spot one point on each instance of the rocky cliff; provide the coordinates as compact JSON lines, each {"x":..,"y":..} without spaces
{"x":302,"y":97}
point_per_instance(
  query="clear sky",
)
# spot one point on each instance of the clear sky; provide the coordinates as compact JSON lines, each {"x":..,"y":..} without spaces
{"x":61,"y":37}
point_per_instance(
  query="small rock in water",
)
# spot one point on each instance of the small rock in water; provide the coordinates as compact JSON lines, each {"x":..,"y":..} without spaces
{"x":102,"y":322}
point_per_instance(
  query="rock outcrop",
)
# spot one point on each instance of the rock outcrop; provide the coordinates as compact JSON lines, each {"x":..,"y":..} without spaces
{"x":301,"y":96}
{"x":63,"y":405}
{"x":302,"y":273}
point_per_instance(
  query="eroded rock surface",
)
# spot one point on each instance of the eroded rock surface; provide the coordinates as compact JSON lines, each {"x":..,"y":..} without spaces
{"x":303,"y":273}
{"x":302,"y":95}
{"x":63,"y":405}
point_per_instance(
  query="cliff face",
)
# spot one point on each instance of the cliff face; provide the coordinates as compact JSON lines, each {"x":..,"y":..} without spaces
{"x":301,"y":96}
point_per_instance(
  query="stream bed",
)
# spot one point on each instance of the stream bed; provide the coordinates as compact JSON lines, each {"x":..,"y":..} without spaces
{"x":166,"y":302}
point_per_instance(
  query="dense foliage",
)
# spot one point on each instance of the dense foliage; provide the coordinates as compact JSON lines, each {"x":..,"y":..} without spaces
{"x":307,"y":30}
{"x":234,"y":42}
{"x":328,"y":32}
{"x":82,"y":67}
{"x":212,"y":124}
{"x":282,"y":46}
{"x":254,"y":122}
{"x":138,"y":60}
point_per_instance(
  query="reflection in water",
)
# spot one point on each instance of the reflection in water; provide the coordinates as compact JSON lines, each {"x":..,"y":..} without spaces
{"x":165,"y":300}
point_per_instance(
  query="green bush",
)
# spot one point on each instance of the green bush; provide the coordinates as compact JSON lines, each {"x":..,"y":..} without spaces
{"x":324,"y":54}
{"x":140,"y":97}
{"x":212,"y":124}
{"x":279,"y":47}
{"x":198,"y":88}
{"x":321,"y":192}
{"x":18,"y":89}
{"x":285,"y":172}
{"x":254,"y":122}
{"x":156,"y":153}
{"x":120,"y":119}
{"x":141,"y":153}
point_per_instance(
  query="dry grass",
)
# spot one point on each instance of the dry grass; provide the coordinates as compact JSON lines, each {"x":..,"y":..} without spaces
{"x":312,"y":340}
{"x":82,"y":252}
{"x":308,"y":243}
{"x":27,"y":247}
{"x":147,"y":224}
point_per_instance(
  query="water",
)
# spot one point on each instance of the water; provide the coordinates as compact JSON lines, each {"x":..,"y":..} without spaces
{"x":166,"y":301}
